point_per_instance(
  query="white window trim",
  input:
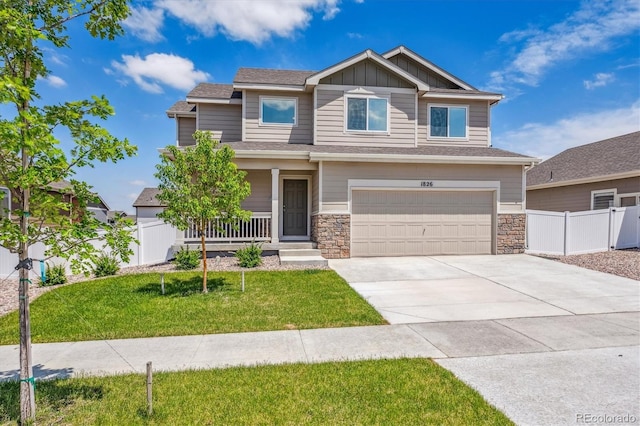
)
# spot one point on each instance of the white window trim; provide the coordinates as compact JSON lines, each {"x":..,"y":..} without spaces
{"x":619,"y":197}
{"x":372,"y":96}
{"x":280,"y":98}
{"x":7,"y":196}
{"x":447,"y":138}
{"x":602,"y":192}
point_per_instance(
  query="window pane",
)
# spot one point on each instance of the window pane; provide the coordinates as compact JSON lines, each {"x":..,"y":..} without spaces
{"x":628,"y":201}
{"x":602,"y":201}
{"x":279,"y":111}
{"x":356,"y":114}
{"x":378,"y":114}
{"x":457,"y":122}
{"x":438,"y":121}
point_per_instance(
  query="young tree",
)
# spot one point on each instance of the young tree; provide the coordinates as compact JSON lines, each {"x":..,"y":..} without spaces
{"x":31,"y":159}
{"x":199,"y":184}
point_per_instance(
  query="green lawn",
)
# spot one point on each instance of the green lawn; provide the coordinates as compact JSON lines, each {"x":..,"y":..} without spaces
{"x":381,"y":392}
{"x":132,"y":306}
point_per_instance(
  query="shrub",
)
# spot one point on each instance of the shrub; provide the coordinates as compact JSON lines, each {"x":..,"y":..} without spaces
{"x":250,"y":256}
{"x":105,"y":265}
{"x":55,"y":275}
{"x":187,"y":259}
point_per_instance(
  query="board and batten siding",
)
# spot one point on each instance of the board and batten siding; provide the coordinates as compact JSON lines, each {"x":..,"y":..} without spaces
{"x":224,"y":121}
{"x":335,"y":189}
{"x":576,"y":198}
{"x":330,"y":121}
{"x":366,"y":73}
{"x":301,"y":133}
{"x":478,"y":125}
{"x":421,"y":72}
{"x":186,"y":129}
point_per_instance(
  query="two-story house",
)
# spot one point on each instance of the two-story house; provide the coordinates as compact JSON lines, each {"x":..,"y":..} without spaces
{"x":378,"y":155}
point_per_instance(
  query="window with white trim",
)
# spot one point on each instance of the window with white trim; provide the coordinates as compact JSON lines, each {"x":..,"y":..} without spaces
{"x":5,"y":202}
{"x":602,"y":199}
{"x":448,"y":121}
{"x":367,"y":114}
{"x":276,"y":111}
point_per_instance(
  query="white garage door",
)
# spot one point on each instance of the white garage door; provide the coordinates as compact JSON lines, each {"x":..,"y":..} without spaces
{"x":406,"y":223}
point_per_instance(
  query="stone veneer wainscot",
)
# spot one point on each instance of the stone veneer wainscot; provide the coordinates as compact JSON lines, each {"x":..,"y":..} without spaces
{"x":511,"y":233}
{"x":332,"y":233}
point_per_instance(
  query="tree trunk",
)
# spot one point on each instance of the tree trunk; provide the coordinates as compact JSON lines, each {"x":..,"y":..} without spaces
{"x":27,"y":385}
{"x":204,"y":259}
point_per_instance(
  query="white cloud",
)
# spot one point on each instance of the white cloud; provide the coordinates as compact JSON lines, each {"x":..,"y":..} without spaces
{"x":601,"y":79}
{"x":132,"y":196}
{"x":138,"y":182}
{"x":590,"y":29}
{"x":55,"y":81}
{"x":252,"y":20}
{"x":157,"y":69}
{"x":354,"y":35}
{"x":546,"y":140}
{"x":145,"y":23}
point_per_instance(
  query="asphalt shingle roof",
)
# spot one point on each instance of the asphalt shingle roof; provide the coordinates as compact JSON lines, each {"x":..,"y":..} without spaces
{"x":181,"y":106}
{"x":272,"y":76}
{"x":455,"y":151}
{"x":607,"y":157}
{"x":214,"y":90}
{"x":147,"y":198}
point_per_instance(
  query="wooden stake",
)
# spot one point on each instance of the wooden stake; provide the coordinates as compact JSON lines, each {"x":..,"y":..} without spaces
{"x":162,"y":283}
{"x":149,"y":389}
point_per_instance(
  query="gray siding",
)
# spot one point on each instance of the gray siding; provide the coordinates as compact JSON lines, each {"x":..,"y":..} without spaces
{"x":366,"y":73}
{"x":331,"y":121}
{"x":186,"y":128}
{"x":478,"y":122}
{"x":260,"y":198}
{"x":576,"y":198}
{"x":302,"y":133}
{"x":225,"y":121}
{"x":422,"y":73}
{"x":336,"y":176}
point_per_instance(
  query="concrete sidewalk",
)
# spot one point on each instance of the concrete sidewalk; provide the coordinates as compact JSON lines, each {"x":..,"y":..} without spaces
{"x":543,"y":370}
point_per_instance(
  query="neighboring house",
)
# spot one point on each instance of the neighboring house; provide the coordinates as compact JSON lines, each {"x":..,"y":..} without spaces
{"x":62,"y":189}
{"x":377,"y":155}
{"x":595,"y":176}
{"x":99,"y":209}
{"x":147,"y":205}
{"x":113,"y":215}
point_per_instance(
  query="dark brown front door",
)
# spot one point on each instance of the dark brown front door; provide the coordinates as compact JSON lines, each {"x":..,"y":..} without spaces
{"x":294,"y":207}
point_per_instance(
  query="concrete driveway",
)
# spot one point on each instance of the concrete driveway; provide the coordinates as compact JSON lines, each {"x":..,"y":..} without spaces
{"x":411,"y":290}
{"x":544,"y":342}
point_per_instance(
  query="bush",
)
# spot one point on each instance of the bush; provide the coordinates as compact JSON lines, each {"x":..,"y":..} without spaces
{"x":250,"y":256}
{"x":55,"y":275}
{"x":187,"y":259}
{"x":105,"y":265}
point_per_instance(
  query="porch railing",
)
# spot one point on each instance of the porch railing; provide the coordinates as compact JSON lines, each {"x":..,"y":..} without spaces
{"x":258,"y":228}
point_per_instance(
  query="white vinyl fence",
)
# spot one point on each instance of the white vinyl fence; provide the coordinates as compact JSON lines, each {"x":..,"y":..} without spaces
{"x":583,"y":232}
{"x":156,"y":240}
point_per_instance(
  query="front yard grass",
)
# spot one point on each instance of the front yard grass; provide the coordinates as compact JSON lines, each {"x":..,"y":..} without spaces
{"x":380,"y":392}
{"x":130,"y":306}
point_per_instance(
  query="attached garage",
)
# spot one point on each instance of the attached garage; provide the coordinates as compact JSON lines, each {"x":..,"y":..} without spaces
{"x":409,"y":222}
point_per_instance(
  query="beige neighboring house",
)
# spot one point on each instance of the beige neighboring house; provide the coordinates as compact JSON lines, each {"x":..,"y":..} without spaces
{"x":594,"y":176}
{"x":377,"y":155}
{"x":147,"y":206}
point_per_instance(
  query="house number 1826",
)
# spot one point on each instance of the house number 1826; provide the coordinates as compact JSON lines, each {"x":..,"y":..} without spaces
{"x":426,"y":184}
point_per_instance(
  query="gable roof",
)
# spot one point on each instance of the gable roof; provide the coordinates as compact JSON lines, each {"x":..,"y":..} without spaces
{"x":181,"y":108}
{"x":613,"y":158}
{"x":147,"y":198}
{"x":214,"y":90}
{"x":402,"y":50}
{"x":367,"y":54}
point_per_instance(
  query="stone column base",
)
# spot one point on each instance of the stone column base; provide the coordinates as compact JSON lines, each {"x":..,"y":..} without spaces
{"x":332,"y":233}
{"x":511,"y":233}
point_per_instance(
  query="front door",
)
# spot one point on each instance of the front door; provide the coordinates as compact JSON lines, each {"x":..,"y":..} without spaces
{"x":294,"y":207}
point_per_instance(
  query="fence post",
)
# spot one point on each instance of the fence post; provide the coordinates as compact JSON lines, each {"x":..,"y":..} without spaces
{"x":611,"y":229}
{"x":566,"y":233}
{"x":140,"y":246}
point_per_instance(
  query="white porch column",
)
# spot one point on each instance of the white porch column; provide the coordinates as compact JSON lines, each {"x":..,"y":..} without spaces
{"x":275,"y":217}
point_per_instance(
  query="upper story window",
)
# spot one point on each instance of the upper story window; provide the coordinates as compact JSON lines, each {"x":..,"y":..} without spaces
{"x":5,"y":202}
{"x":277,"y":111}
{"x":367,"y":114}
{"x":448,"y":121}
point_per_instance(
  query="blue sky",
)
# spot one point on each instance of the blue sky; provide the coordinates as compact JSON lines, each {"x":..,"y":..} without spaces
{"x":570,"y":70}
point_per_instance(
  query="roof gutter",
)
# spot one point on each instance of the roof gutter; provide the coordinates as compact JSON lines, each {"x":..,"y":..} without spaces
{"x":591,"y":179}
{"x":423,"y":159}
